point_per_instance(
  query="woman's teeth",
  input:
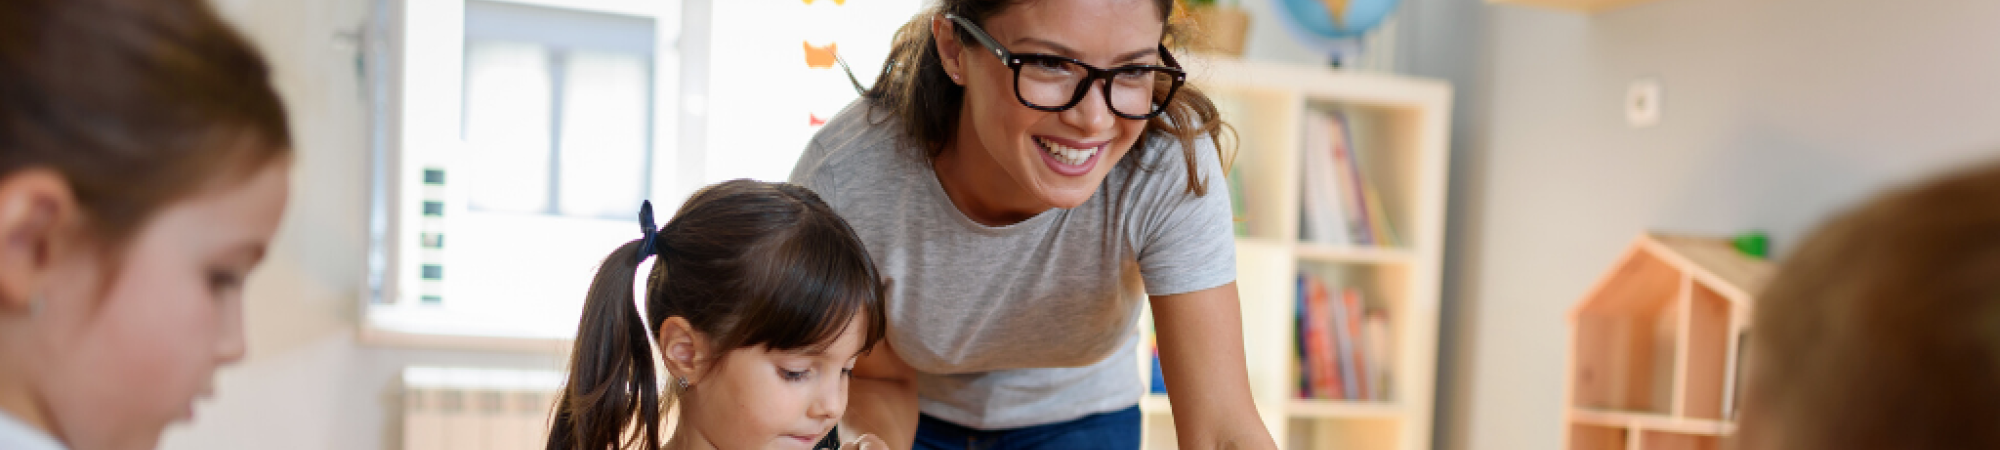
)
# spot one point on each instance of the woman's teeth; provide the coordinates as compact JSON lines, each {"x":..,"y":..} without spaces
{"x":1066,"y":155}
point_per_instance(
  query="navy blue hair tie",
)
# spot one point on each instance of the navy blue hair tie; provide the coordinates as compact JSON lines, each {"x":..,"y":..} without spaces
{"x":648,"y":244}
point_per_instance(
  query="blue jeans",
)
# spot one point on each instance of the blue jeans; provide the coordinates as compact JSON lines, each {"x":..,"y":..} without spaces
{"x":1116,"y":430}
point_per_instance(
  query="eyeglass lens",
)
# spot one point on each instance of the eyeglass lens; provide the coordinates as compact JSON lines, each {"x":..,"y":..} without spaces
{"x":1053,"y":83}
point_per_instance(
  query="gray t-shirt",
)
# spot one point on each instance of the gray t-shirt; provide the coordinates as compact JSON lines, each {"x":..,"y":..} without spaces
{"x":1030,"y":323}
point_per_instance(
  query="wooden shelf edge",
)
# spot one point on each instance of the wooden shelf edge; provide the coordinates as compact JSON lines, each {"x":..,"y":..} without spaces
{"x":1649,"y":421}
{"x":1576,"y":6}
{"x":1354,"y":254}
{"x":1364,"y":88}
{"x":1343,"y":409}
{"x":1155,"y":404}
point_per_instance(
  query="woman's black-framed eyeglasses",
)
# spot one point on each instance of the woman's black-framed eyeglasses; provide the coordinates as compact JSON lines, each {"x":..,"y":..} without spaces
{"x":1055,"y":83}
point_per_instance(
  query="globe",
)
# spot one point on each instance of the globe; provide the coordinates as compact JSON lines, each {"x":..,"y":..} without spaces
{"x":1314,"y":23}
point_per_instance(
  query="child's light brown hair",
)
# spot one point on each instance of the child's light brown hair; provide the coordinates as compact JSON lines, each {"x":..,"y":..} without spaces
{"x":1883,"y":330}
{"x":136,"y":103}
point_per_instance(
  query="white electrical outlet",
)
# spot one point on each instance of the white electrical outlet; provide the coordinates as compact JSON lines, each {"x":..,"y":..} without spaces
{"x":1642,"y":103}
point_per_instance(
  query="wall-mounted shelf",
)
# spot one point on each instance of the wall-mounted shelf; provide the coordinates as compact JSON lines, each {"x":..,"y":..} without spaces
{"x":1583,"y":6}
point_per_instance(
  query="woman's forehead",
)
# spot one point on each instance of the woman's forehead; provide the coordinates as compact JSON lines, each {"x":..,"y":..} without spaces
{"x":1093,"y":28}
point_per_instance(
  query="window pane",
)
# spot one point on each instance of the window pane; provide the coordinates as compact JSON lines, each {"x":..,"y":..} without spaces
{"x":507,"y":122}
{"x":603,"y":140}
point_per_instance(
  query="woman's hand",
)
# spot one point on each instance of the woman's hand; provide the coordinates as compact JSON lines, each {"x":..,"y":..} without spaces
{"x":882,"y":400}
{"x":1201,"y":356}
{"x":865,"y":442}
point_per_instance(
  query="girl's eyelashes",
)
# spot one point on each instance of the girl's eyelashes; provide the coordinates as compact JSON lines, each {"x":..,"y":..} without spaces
{"x":222,"y":282}
{"x":793,"y":375}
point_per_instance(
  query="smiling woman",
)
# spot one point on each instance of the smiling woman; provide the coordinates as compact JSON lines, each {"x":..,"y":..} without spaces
{"x":1027,"y":172}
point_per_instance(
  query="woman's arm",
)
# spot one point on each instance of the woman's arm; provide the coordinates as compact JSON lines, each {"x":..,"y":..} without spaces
{"x":882,"y":398}
{"x":1201,"y":355}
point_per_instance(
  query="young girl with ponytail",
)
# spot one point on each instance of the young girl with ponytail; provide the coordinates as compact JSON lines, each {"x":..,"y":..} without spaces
{"x":760,"y":301}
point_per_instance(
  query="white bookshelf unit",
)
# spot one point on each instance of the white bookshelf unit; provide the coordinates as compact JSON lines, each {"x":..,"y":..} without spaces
{"x":1400,"y":130}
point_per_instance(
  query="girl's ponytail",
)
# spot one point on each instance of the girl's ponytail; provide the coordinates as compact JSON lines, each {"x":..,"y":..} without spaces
{"x":611,"y":373}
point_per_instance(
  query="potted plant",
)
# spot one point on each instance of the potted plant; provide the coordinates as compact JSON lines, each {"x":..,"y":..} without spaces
{"x":1221,"y":26}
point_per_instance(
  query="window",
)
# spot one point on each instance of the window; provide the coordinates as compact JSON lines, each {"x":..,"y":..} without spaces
{"x":516,"y":138}
{"x":527,"y":133}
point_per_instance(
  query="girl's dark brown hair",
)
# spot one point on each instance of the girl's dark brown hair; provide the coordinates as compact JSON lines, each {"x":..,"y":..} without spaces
{"x":915,"y":90}
{"x":136,"y":103}
{"x":1883,"y":329}
{"x":746,"y":263}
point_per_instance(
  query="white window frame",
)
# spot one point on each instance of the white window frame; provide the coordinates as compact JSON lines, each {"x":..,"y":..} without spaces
{"x":416,"y":68}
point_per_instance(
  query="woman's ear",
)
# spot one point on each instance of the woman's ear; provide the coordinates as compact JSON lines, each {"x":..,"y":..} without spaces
{"x":944,"y":34}
{"x":685,"y":348}
{"x":35,"y":207}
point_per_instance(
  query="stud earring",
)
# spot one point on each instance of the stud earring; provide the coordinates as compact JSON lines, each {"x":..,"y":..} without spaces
{"x":682,"y":382}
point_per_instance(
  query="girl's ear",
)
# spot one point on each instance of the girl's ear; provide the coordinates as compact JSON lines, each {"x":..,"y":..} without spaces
{"x":35,"y":207}
{"x":685,"y":348}
{"x":944,"y":34}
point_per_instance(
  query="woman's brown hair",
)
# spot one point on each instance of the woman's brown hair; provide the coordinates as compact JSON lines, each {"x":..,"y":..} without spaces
{"x":136,"y":103}
{"x":746,"y":263}
{"x":1883,"y":329}
{"x":915,"y":90}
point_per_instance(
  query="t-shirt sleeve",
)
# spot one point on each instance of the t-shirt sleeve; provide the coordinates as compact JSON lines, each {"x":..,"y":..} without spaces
{"x":1186,"y":243}
{"x":806,"y":172}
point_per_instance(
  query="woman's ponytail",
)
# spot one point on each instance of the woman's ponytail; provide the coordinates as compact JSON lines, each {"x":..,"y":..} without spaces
{"x":612,"y":379}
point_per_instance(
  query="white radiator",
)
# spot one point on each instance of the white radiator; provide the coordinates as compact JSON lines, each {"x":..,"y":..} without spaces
{"x":477,"y":409}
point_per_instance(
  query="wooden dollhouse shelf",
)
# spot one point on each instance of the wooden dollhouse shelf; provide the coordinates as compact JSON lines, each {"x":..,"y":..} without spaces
{"x":1656,"y":346}
{"x":1650,"y":421}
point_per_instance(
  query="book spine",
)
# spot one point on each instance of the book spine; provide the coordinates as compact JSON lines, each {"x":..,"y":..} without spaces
{"x":1346,"y":180}
{"x":1322,"y":211}
{"x":1326,"y":379}
{"x":1343,"y":347}
{"x":1300,"y":322}
{"x":1380,"y":351}
{"x":1356,"y":357}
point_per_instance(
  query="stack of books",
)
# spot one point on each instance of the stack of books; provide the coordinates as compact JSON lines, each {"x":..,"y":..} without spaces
{"x":1341,"y":206}
{"x":1344,"y":350}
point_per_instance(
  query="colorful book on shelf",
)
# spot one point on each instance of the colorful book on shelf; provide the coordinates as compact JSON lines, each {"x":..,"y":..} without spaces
{"x":1344,"y":347}
{"x":1385,"y":234}
{"x":1379,"y":229}
{"x":1345,"y":340}
{"x":1159,"y":379}
{"x":1340,"y":203}
{"x":1375,"y":332}
{"x":1320,"y":340}
{"x":1322,"y":217}
{"x":1358,"y":338}
{"x":1300,"y":320}
{"x":1347,"y":181}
